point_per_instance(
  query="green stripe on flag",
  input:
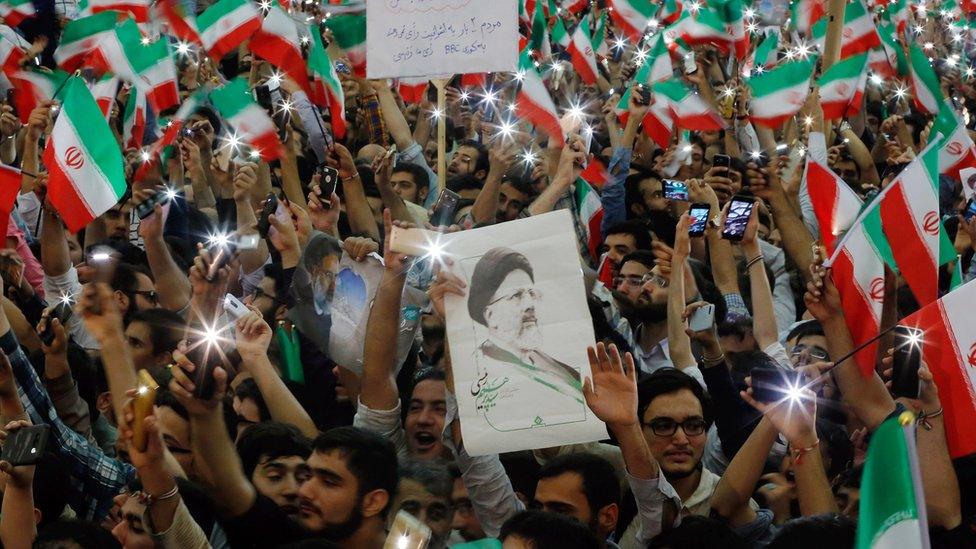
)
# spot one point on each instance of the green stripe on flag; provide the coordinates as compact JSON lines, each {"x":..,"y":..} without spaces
{"x":232,"y":98}
{"x":79,"y":29}
{"x":349,"y":30}
{"x":98,"y":143}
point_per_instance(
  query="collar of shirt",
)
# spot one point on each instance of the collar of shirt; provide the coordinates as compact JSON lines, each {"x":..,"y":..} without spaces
{"x":698,"y":503}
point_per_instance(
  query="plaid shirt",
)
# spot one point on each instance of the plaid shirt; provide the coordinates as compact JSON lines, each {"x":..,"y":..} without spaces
{"x":374,"y":125}
{"x":95,"y":478}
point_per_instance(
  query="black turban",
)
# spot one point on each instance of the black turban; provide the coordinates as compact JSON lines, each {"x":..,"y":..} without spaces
{"x":488,"y":275}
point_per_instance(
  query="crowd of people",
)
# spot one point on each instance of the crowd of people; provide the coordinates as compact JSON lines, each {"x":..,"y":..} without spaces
{"x":258,"y":438}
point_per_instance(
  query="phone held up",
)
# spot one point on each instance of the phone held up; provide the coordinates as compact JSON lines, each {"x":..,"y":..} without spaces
{"x":771,"y":384}
{"x":442,"y":214}
{"x":738,"y":218}
{"x":675,"y":190}
{"x":906,"y":361}
{"x":699,"y":213}
{"x":26,"y":446}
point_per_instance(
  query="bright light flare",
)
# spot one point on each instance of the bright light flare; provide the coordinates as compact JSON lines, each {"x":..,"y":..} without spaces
{"x":171,"y":193}
{"x":144,"y":154}
{"x":218,"y":239}
{"x":182,"y":48}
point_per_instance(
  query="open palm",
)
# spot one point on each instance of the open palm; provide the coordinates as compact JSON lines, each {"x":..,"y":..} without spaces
{"x":612,"y":391}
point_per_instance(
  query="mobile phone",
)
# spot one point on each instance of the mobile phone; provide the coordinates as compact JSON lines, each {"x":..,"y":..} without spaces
{"x":489,"y":112}
{"x":268,"y":207}
{"x":329,"y":178}
{"x":722,"y":161}
{"x":443,"y":211}
{"x":906,"y":361}
{"x":644,"y":94}
{"x":102,"y":260}
{"x":700,"y":213}
{"x":739,"y":212}
{"x":262,"y":94}
{"x":702,"y":318}
{"x":970,"y":212}
{"x":220,"y":254}
{"x":281,"y":116}
{"x":204,"y":353}
{"x":11,"y":102}
{"x":142,"y":406}
{"x":62,"y":312}
{"x":675,"y":190}
{"x":690,"y":64}
{"x":342,"y":68}
{"x":234,"y":308}
{"x":26,"y":446}
{"x":145,"y":208}
{"x":414,"y":242}
{"x":771,"y":384}
{"x":407,"y":533}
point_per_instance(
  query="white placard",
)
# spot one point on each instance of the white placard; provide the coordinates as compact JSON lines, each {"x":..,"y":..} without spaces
{"x":968,"y":176}
{"x":519,"y":336}
{"x":439,"y":37}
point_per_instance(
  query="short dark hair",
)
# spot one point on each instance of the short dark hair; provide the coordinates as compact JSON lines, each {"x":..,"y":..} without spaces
{"x":697,"y":532}
{"x":670,"y":380}
{"x":634,"y":227}
{"x":600,"y":484}
{"x":271,"y":440}
{"x":433,"y":476}
{"x":124,"y":277}
{"x":419,"y":174}
{"x":165,"y":327}
{"x":370,"y":457}
{"x":482,"y":162}
{"x":805,"y":328}
{"x":84,"y":534}
{"x":825,"y":530}
{"x":248,"y":388}
{"x":489,"y":273}
{"x":632,"y":194}
{"x":550,"y":530}
{"x":644,"y":257}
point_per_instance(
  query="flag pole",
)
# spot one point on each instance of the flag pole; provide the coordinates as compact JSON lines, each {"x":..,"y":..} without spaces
{"x":441,"y":84}
{"x":835,"y":30}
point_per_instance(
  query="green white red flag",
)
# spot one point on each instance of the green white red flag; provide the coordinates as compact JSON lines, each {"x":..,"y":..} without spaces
{"x":10,"y":180}
{"x":765,"y":54}
{"x":539,"y":39}
{"x":349,"y":32}
{"x":14,"y":12}
{"x":147,"y":65}
{"x":670,"y":11}
{"x":949,"y":350}
{"x":702,"y":28}
{"x":559,"y":34}
{"x":138,"y":9}
{"x":326,"y":86}
{"x":80,"y":39}
{"x":104,"y":91}
{"x":278,"y":42}
{"x":892,"y":511}
{"x":926,"y":91}
{"x":85,"y":170}
{"x":632,"y":17}
{"x":533,"y":102}
{"x":658,"y":123}
{"x":806,"y":13}
{"x":957,"y":151}
{"x":688,"y":109}
{"x":589,"y":208}
{"x":181,"y":23}
{"x":31,"y":86}
{"x":11,"y":54}
{"x":859,"y":34}
{"x":171,"y":130}
{"x":582,"y":54}
{"x":730,"y":13}
{"x":412,"y":89}
{"x":897,"y":13}
{"x":251,"y":123}
{"x":134,"y":119}
{"x":842,"y":87}
{"x":656,"y":67}
{"x":780,"y":93}
{"x":226,"y":24}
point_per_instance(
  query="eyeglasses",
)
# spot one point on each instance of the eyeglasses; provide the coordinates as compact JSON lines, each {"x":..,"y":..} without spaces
{"x":666,"y":427}
{"x":632,"y":280}
{"x":656,"y":279}
{"x":259,"y":293}
{"x":150,"y":295}
{"x":518,"y":295}
{"x":813,"y":351}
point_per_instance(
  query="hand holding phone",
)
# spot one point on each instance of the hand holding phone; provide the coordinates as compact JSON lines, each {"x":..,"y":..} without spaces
{"x":268,"y":207}
{"x":740,"y":210}
{"x":675,"y":190}
{"x":442,"y":214}
{"x":26,"y":445}
{"x":700,"y":213}
{"x":702,"y":318}
{"x":62,"y":312}
{"x":771,"y":384}
{"x":142,"y":406}
{"x":906,"y":362}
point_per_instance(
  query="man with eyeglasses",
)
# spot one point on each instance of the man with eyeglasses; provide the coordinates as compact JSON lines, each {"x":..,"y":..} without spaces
{"x":519,"y":385}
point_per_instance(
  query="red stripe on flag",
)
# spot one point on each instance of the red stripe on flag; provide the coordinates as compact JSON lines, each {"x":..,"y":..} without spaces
{"x":822,"y":188}
{"x":914,"y":260}
{"x":163,"y":96}
{"x":857,"y":310}
{"x":9,"y":189}
{"x":861,"y":45}
{"x":268,"y":145}
{"x":774,"y":122}
{"x":283,"y":54}
{"x":230,"y":41}
{"x":63,"y":195}
{"x":539,"y":116}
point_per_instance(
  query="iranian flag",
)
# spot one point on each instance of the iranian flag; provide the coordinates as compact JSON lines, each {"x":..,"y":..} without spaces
{"x":859,"y":34}
{"x":139,"y":9}
{"x":413,"y":89}
{"x":957,"y":151}
{"x":806,"y":13}
{"x":730,"y":12}
{"x":632,"y":17}
{"x":909,"y":208}
{"x":31,"y":86}
{"x":171,"y":130}
{"x":655,"y":68}
{"x":326,"y":87}
{"x":11,"y":55}
{"x":349,"y":32}
{"x":226,"y":24}
{"x":581,"y":51}
{"x":181,"y":24}
{"x":892,"y":512}
{"x":780,"y":93}
{"x":842,"y":87}
{"x":104,"y":91}
{"x":590,"y":212}
{"x":925,"y":84}
{"x":703,"y":28}
{"x":539,"y":39}
{"x":10,"y":181}
{"x":559,"y":34}
{"x":894,"y":53}
{"x":658,"y":123}
{"x":670,"y":11}
{"x":85,"y":172}
{"x":533,"y":102}
{"x":81,"y":37}
{"x":134,"y":120}
{"x":253,"y":126}
{"x":897,"y":13}
{"x":148,"y":66}
{"x":856,"y":262}
{"x":14,"y":12}
{"x":689,"y":110}
{"x":949,"y":350}
{"x":765,"y":53}
{"x":278,"y":43}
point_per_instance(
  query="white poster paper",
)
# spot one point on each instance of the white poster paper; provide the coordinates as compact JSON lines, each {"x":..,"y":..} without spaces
{"x":439,"y":37}
{"x":968,"y":176}
{"x":518,"y":338}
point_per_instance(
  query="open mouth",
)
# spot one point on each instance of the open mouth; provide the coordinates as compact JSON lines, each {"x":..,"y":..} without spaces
{"x":424,"y":440}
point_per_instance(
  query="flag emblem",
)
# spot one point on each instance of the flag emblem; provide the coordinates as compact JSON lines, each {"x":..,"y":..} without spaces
{"x":877,"y":289}
{"x":796,"y":98}
{"x":955,"y":148}
{"x":73,"y":158}
{"x":931,"y":223}
{"x":843,"y":89}
{"x":848,"y":32}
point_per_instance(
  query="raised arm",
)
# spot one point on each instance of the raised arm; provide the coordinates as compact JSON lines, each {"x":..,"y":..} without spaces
{"x":679,"y":345}
{"x":395,"y":121}
{"x":567,"y":170}
{"x":357,"y":208}
{"x":17,"y":525}
{"x":797,"y":240}
{"x":764,"y":317}
{"x":500,"y":159}
{"x":172,"y":285}
{"x":245,"y":189}
{"x":383,"y":170}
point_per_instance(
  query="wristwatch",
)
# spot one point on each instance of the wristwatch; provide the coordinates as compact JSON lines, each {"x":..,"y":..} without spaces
{"x":714,"y":222}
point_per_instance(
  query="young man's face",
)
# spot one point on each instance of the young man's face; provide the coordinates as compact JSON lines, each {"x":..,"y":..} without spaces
{"x":248,"y":413}
{"x":279,"y":478}
{"x":564,"y":494}
{"x":463,"y":162}
{"x":406,"y":188}
{"x":619,"y":245}
{"x":629,"y":281}
{"x":426,"y":507}
{"x":137,"y":336}
{"x":329,"y":501}
{"x":511,"y":201}
{"x":465,"y":521}
{"x":424,"y":423}
{"x":652,"y":194}
{"x":130,"y":531}
{"x":680,"y":453}
{"x":176,"y":437}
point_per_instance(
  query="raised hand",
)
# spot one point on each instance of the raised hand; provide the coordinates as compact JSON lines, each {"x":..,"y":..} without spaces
{"x":253,"y":335}
{"x":445,"y":282}
{"x":612,"y":391}
{"x":182,"y":386}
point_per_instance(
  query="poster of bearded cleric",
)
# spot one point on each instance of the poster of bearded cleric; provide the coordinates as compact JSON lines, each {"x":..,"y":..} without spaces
{"x":518,"y":337}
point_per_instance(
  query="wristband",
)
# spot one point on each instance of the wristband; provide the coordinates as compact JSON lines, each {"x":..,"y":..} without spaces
{"x":713,"y":361}
{"x":351,"y":177}
{"x":798,"y":453}
{"x":923,"y":418}
{"x":753,"y":261}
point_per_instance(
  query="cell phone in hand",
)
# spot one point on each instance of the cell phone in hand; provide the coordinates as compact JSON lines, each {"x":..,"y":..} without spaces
{"x":62,"y":312}
{"x":740,"y":210}
{"x":675,"y":190}
{"x":970,"y":212}
{"x":142,"y":406}
{"x":407,"y":533}
{"x":702,"y":318}
{"x":145,"y":208}
{"x":268,"y":207}
{"x":442,"y":214}
{"x":771,"y":384}
{"x":643,"y":94}
{"x":699,"y":212}
{"x":722,"y":161}
{"x":906,"y":361}
{"x":204,"y":352}
{"x":329,"y":178}
{"x":234,"y":308}
{"x":26,"y":446}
